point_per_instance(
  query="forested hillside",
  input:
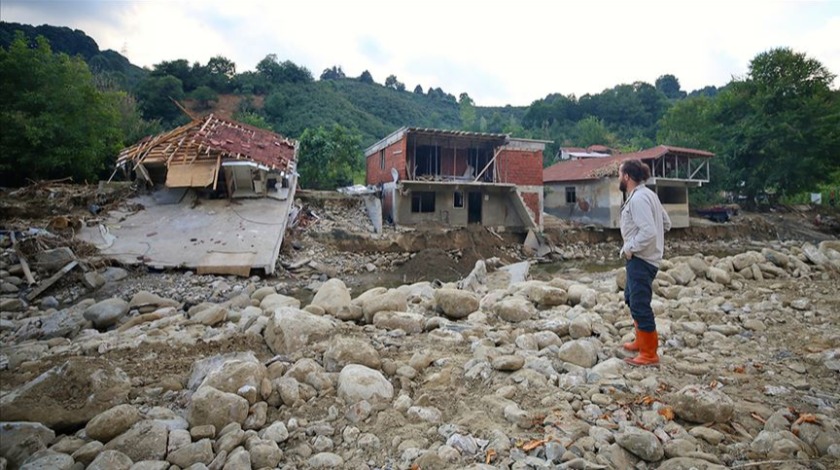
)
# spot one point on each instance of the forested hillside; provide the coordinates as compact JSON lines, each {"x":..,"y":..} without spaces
{"x":774,"y":130}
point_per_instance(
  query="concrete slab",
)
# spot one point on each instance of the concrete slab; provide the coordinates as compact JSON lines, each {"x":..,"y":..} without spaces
{"x":210,"y":236}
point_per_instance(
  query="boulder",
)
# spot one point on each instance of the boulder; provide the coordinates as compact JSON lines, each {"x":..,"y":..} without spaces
{"x":581,"y":352}
{"x":211,"y":406}
{"x":701,"y":405}
{"x":147,"y":302}
{"x":19,"y":440}
{"x":272,"y":302}
{"x":190,"y":454}
{"x":146,"y":440}
{"x":68,"y":395}
{"x":111,"y":423}
{"x":357,"y":383}
{"x":515,"y":309}
{"x":455,"y":303}
{"x":290,"y":330}
{"x":344,"y":350}
{"x":229,"y":373}
{"x":411,"y":323}
{"x":392,"y":300}
{"x":111,"y":460}
{"x":106,"y":313}
{"x":642,"y":443}
{"x":332,"y":296}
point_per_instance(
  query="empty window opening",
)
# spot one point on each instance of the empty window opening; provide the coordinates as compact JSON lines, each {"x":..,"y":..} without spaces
{"x":382,"y":159}
{"x":427,"y":160}
{"x":423,"y":201}
{"x":571,"y":195}
{"x":459,"y":199}
{"x":672,"y":194}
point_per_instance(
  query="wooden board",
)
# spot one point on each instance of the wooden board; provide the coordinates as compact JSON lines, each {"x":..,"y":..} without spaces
{"x":217,"y":262}
{"x":199,"y":174}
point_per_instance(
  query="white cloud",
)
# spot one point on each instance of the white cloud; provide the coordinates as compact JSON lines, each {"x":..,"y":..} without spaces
{"x":500,"y":52}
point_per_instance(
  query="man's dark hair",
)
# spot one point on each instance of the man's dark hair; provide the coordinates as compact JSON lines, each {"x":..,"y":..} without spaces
{"x":637,"y":170}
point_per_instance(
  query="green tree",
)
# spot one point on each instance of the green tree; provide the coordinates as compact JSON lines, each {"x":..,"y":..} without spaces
{"x":392,"y":82}
{"x":282,"y":72}
{"x":204,"y":96}
{"x":466,"y":108}
{"x":778,"y":126}
{"x":333,"y":73}
{"x":220,"y":72}
{"x":669,"y":85}
{"x":418,"y":90}
{"x":329,"y":158}
{"x":253,"y":119}
{"x":366,"y":77}
{"x":54,"y":121}
{"x":591,"y":131}
{"x":156,"y":94}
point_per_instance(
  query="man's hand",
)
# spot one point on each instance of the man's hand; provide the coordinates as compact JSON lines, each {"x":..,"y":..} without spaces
{"x":628,"y":256}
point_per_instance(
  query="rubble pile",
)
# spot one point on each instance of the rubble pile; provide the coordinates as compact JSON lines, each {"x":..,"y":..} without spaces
{"x":495,"y":371}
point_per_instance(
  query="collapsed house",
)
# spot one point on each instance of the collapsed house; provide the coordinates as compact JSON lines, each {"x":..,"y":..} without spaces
{"x":458,"y":178}
{"x":218,"y":154}
{"x":221,"y":199}
{"x":585,"y":189}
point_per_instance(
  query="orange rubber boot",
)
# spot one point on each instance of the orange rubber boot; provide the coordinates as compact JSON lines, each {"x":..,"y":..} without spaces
{"x":633,"y":345}
{"x":648,"y":344}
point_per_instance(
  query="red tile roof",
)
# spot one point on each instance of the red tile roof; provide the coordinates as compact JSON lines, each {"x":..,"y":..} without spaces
{"x":594,"y":168}
{"x":210,"y":137}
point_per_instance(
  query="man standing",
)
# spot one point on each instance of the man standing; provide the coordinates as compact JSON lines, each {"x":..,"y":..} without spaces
{"x":643,"y":226}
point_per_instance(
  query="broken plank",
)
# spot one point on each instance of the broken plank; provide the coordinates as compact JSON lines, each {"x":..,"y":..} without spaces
{"x":49,"y":282}
{"x":23,"y":264}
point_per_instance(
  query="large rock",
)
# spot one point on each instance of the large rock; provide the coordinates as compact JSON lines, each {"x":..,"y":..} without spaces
{"x":146,"y":440}
{"x":19,"y":440}
{"x":641,"y":443}
{"x":211,"y":406}
{"x":190,"y":454}
{"x":48,"y":460}
{"x":106,"y":313}
{"x":272,"y":302}
{"x":515,"y":309}
{"x":228,"y":373}
{"x":52,"y":260}
{"x":700,"y":405}
{"x":411,"y":323}
{"x":719,"y":276}
{"x":546,"y":296}
{"x":60,"y":324}
{"x":111,"y":423}
{"x":581,"y":352}
{"x":682,"y":274}
{"x":111,"y":460}
{"x":145,"y":302}
{"x":290,"y":330}
{"x":343,"y":351}
{"x":455,"y":303}
{"x":393,"y":300}
{"x":332,"y":296}
{"x":814,"y":254}
{"x":357,"y":383}
{"x":69,"y":395}
{"x":689,"y":463}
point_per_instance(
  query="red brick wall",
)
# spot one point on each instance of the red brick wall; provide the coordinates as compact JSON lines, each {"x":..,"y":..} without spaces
{"x":520,"y":167}
{"x":532,"y":200}
{"x":395,"y":155}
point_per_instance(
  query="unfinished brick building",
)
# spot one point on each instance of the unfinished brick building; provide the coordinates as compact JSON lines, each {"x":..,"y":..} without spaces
{"x":458,"y":178}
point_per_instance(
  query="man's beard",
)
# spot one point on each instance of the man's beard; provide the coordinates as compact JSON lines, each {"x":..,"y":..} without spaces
{"x":622,"y":185}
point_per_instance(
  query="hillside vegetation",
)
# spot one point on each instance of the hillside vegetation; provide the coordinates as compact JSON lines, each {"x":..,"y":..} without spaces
{"x":774,"y":130}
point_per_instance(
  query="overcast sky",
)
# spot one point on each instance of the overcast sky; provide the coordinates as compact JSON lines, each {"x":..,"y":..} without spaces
{"x":500,"y":52}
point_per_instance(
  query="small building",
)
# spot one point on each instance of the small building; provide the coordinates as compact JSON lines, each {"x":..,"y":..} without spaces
{"x":585,"y":190}
{"x":458,"y":178}
{"x":219,"y":154}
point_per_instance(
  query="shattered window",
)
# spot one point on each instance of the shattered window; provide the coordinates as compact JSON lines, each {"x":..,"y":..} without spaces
{"x":423,"y":201}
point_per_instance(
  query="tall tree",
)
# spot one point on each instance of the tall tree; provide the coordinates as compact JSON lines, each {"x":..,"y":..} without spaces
{"x":54,"y":121}
{"x":283,"y":72}
{"x":156,"y":94}
{"x":366,"y":77}
{"x":779,"y":124}
{"x":466,"y":110}
{"x":669,"y":85}
{"x":392,"y":82}
{"x":591,"y":131}
{"x":329,"y":157}
{"x":332,"y":73}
